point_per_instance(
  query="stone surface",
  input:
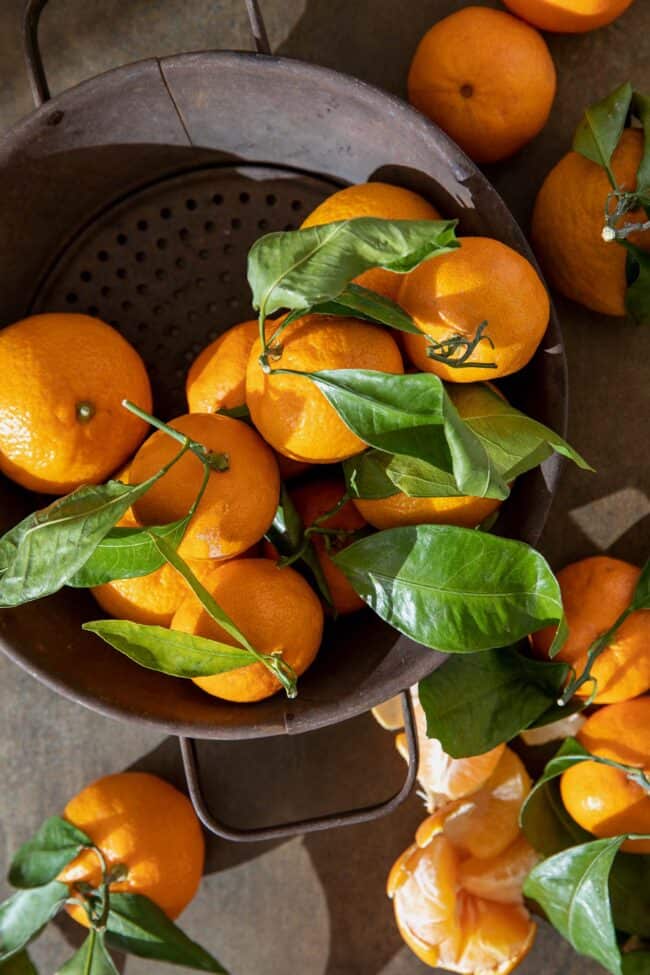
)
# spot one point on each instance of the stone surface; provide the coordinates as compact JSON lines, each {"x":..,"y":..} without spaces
{"x":317,"y":905}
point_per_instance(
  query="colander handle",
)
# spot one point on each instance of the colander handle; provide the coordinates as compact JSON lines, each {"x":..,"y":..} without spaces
{"x":350,"y":817}
{"x":36,"y":71}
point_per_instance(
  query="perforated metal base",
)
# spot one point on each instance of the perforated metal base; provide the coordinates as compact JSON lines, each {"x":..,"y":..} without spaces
{"x":167,"y":265}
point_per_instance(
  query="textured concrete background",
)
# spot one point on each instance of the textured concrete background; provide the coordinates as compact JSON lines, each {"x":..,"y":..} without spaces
{"x":317,"y":906}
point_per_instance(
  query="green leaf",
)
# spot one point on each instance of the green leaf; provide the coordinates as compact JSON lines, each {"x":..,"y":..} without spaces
{"x":372,"y":307}
{"x":170,"y":651}
{"x":43,"y":857}
{"x":25,"y":914}
{"x":600,"y":130}
{"x":273,"y":662}
{"x":637,"y":296}
{"x":18,"y":964}
{"x":503,"y":691}
{"x":367,"y":475}
{"x":45,"y":550}
{"x":636,"y":963}
{"x":411,"y":415}
{"x":453,"y":589}
{"x":641,"y":596}
{"x":91,"y":959}
{"x":641,"y":108}
{"x":514,"y":442}
{"x":137,"y":926}
{"x":299,"y":269}
{"x":572,"y":888}
{"x":126,"y":553}
{"x":629,"y":892}
{"x":287,"y":534}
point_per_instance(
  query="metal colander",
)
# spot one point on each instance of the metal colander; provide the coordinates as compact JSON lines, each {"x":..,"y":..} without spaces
{"x":135,"y":197}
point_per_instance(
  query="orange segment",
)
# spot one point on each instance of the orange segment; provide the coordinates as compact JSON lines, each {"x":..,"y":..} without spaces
{"x":485,"y":823}
{"x":501,"y":877}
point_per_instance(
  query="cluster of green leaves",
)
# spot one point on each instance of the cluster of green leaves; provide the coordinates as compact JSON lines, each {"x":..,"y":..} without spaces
{"x":74,"y":541}
{"x":596,"y":138}
{"x":595,"y":895}
{"x":130,"y":923}
{"x":507,"y":692}
{"x":419,"y":443}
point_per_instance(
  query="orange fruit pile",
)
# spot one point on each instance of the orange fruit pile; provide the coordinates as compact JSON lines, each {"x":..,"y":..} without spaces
{"x":486,"y":78}
{"x":604,"y":800}
{"x":142,"y":822}
{"x":595,"y":591}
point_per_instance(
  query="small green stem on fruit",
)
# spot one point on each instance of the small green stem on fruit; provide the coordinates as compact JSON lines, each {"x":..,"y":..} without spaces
{"x":215,"y":461}
{"x":617,"y":204}
{"x":445,"y":351}
{"x":85,"y":411}
{"x":599,"y":645}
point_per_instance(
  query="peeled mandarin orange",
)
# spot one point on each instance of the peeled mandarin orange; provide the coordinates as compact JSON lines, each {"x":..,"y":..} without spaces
{"x":602,"y":799}
{"x":595,"y":591}
{"x":444,"y":924}
{"x":568,"y":16}
{"x":373,"y":200}
{"x":567,"y":226}
{"x":464,"y":511}
{"x":486,"y":78}
{"x":289,"y":411}
{"x":486,"y":822}
{"x":238,"y":505}
{"x":217,"y":378}
{"x":481,"y":281}
{"x":274,"y":608}
{"x":62,"y":423}
{"x":138,"y":820}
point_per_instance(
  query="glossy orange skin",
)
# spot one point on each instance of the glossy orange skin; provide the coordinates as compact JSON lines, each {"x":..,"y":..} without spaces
{"x":462,"y":909}
{"x":239,"y":504}
{"x":141,"y":821}
{"x":312,"y":500}
{"x":595,"y":591}
{"x":486,"y":78}
{"x":217,"y":377}
{"x":52,"y":366}
{"x":274,"y":608}
{"x":379,"y":200}
{"x":483,"y":280}
{"x":567,"y":226}
{"x":568,"y":16}
{"x":290,"y":412}
{"x":464,"y":511}
{"x":604,"y":800}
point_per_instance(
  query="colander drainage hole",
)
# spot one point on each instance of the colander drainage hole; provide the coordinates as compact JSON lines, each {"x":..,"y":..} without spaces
{"x":86,"y":276}
{"x":191,"y":204}
{"x":72,"y":298}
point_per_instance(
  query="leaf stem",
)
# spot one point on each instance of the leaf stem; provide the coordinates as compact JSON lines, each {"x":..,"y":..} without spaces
{"x":445,"y":350}
{"x":215,"y":461}
{"x":88,"y":964}
{"x":599,"y":645}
